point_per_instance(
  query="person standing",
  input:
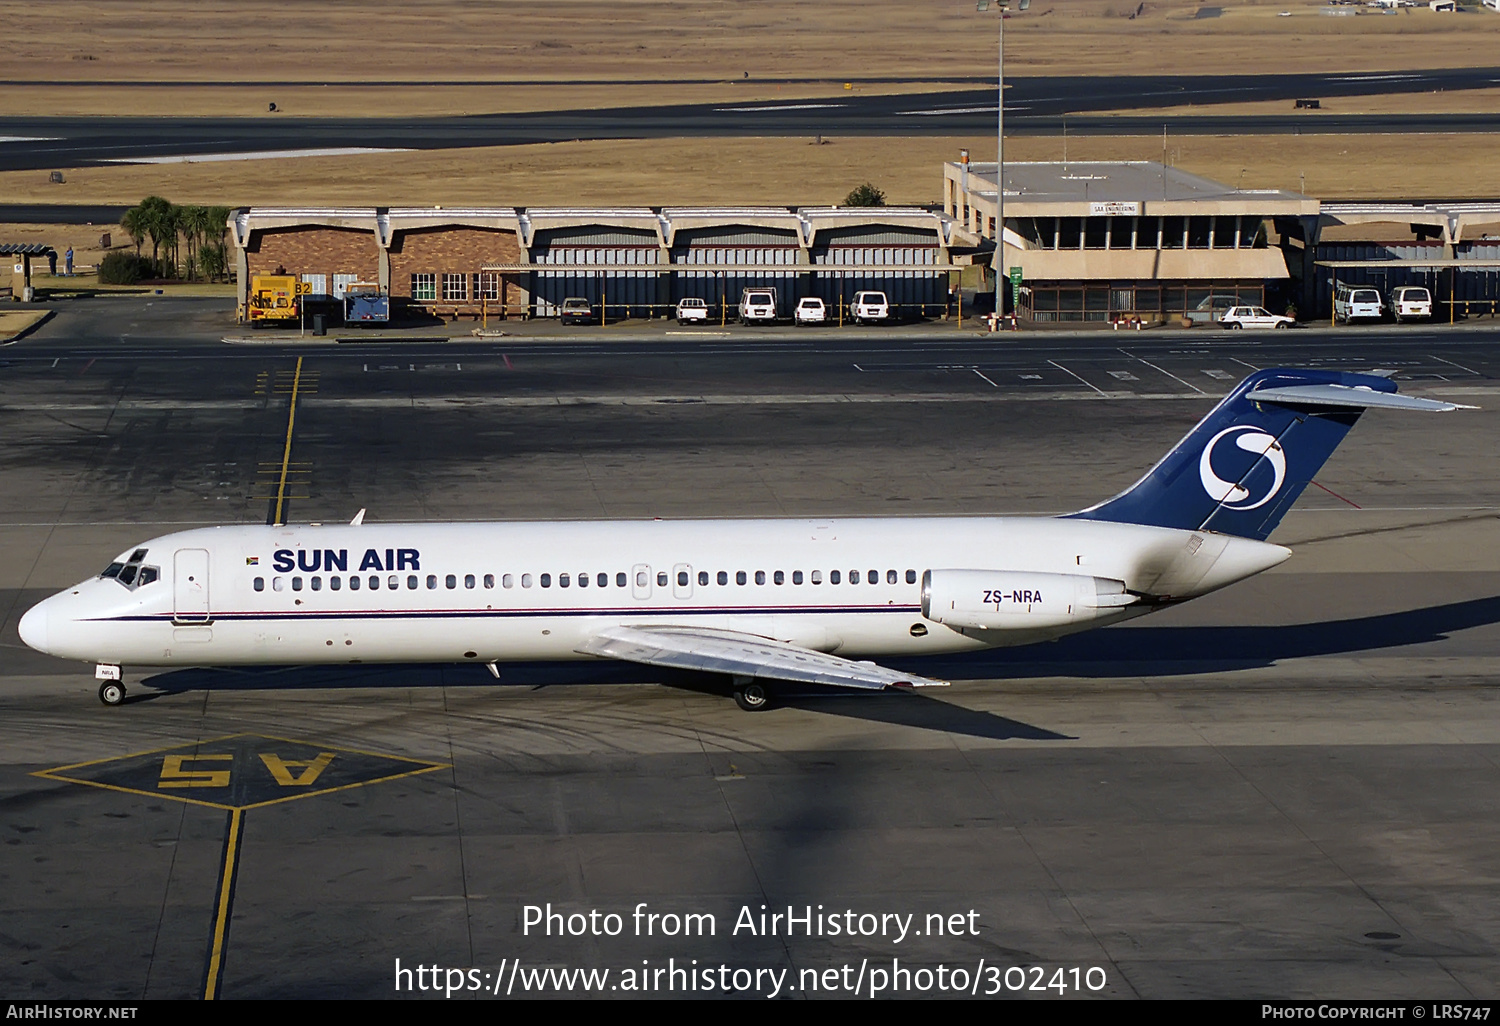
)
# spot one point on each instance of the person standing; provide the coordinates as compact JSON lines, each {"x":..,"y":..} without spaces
{"x":68,"y":262}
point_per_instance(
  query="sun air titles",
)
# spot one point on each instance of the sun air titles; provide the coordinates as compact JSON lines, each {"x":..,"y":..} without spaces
{"x":310,"y":561}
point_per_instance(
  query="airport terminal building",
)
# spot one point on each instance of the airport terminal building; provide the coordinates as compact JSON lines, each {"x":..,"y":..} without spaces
{"x":637,"y":262}
{"x":1085,"y":241}
{"x":1098,"y":241}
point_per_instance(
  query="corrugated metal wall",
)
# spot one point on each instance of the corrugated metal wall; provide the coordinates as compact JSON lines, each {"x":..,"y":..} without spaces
{"x":1382,"y":278}
{"x":901,"y":287}
{"x":896,"y":245}
{"x":632,"y":293}
{"x":780,"y":262}
{"x":1479,"y":284}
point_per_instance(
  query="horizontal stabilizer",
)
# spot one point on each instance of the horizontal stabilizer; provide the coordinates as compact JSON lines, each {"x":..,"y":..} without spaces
{"x":747,"y":655}
{"x":1349,"y":397}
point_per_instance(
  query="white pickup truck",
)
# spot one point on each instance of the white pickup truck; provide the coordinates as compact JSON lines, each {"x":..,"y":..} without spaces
{"x":692,"y":309}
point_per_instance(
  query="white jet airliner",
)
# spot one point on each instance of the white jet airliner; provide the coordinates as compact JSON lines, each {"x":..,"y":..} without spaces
{"x":757,"y":600}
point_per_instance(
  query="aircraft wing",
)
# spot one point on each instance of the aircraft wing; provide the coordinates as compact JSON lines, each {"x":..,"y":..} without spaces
{"x":748,"y":655}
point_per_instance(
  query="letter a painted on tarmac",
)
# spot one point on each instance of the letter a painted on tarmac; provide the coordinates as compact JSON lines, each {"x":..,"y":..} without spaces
{"x":282,"y":769}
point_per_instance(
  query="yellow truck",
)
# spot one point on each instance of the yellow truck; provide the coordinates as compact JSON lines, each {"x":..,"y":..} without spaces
{"x":274,"y":297}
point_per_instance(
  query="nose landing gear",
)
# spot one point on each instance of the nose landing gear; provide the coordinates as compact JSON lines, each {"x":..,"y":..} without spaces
{"x":112,"y":688}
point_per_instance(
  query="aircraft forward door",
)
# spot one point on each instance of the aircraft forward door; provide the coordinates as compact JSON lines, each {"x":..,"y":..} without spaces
{"x":190,"y":586}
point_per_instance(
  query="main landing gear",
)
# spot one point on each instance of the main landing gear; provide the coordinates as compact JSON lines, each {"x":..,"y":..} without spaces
{"x":751,"y":695}
{"x":111,"y":688}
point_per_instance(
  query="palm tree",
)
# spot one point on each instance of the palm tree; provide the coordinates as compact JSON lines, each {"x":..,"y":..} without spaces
{"x":134,"y":225}
{"x":160,"y":223}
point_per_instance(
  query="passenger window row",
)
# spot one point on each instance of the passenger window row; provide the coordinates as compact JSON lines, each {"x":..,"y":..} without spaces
{"x":393,"y":582}
{"x":414,"y":582}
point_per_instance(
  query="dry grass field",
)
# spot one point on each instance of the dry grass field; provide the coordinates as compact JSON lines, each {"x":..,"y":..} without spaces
{"x":375,"y":54}
{"x":669,"y":172}
{"x":382,"y":58}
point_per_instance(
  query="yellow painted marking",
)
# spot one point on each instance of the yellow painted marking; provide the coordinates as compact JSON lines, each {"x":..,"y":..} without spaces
{"x":286,"y":452}
{"x":173,"y":775}
{"x":56,"y":772}
{"x":311,"y":769}
{"x":221,"y":914}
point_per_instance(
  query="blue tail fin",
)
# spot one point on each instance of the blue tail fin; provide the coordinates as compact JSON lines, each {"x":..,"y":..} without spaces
{"x":1243,"y":466}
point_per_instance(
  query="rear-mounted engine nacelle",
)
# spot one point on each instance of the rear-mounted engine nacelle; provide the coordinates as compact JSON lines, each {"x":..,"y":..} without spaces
{"x":1007,"y":600}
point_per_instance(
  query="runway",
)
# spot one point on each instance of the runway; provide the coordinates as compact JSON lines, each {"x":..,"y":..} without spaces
{"x":1033,"y":106}
{"x":1284,"y":789}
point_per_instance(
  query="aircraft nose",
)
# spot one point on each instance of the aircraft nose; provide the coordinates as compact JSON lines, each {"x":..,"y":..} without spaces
{"x":33,"y":627}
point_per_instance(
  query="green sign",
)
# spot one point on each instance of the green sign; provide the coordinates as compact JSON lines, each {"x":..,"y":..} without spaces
{"x":1015,"y":276}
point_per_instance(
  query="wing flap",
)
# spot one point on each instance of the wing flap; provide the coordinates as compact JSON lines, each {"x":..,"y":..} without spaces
{"x":719,"y":651}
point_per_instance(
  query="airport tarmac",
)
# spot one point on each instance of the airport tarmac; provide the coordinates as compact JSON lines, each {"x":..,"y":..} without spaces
{"x":1286,"y":789}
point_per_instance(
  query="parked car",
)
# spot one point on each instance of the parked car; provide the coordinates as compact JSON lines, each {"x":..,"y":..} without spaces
{"x":1351,"y":303}
{"x":870,"y":308}
{"x":1409,"y":302}
{"x":1254,"y":317}
{"x":758,"y":304}
{"x":810,"y":310}
{"x":692,"y":309}
{"x":576,"y":311}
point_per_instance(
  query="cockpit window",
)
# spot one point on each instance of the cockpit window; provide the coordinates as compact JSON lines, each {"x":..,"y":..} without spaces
{"x":131,"y":573}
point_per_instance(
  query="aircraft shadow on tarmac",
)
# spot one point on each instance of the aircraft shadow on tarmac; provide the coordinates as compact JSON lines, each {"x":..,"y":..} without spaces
{"x":1132,"y":652}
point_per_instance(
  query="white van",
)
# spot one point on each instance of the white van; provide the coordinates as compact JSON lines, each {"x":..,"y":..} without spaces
{"x":1356,"y":303}
{"x":1411,"y":302}
{"x":758,"y":304}
{"x":870,"y":308}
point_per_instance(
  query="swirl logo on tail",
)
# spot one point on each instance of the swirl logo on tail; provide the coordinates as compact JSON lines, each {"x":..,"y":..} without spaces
{"x":1230,"y":493}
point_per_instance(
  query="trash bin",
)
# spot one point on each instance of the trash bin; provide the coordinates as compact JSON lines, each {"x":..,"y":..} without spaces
{"x":318,"y":328}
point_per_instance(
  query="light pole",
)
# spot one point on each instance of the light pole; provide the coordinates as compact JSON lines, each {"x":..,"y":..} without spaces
{"x":1001,"y":267}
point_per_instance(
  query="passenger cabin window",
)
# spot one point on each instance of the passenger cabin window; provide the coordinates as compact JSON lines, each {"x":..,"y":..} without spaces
{"x":411,"y":582}
{"x":853,"y":576}
{"x":489,"y":580}
{"x":661,"y":578}
{"x":779,"y":577}
{"x":334,"y":583}
{"x":911,"y":577}
{"x":451,"y":582}
{"x":508,"y":581}
{"x":702,"y":578}
{"x":469,"y":581}
{"x":432,"y":582}
{"x":354,"y":584}
{"x":739,"y":577}
{"x":817,"y":577}
{"x":760,"y":577}
{"x":317,"y":584}
{"x":682,"y":578}
{"x":525,"y":580}
{"x":796,"y":576}
{"x":620,"y":580}
{"x":603,"y":581}
{"x":563,"y":580}
{"x":546,"y":580}
{"x":583,"y":580}
{"x":259,"y":584}
{"x":723,"y":577}
{"x":833,"y":577}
